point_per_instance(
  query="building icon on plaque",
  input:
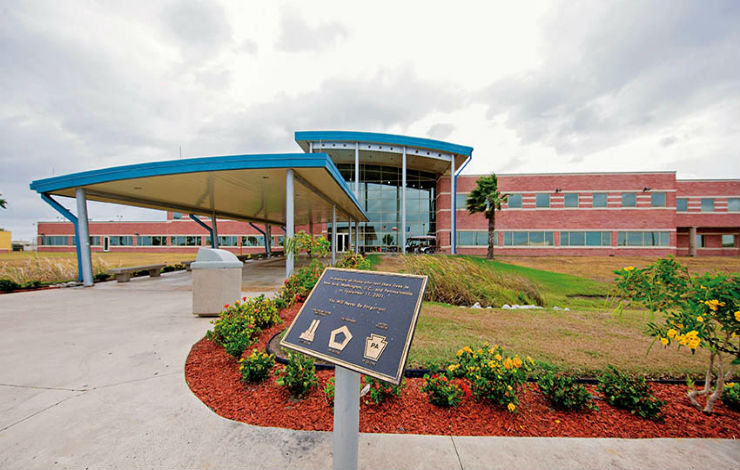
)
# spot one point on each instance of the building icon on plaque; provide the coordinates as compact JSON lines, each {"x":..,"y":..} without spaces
{"x":309,"y":334}
{"x":339,"y":338}
{"x":374,"y":346}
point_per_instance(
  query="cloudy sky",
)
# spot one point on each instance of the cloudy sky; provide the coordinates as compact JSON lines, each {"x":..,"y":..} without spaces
{"x":532,"y":86}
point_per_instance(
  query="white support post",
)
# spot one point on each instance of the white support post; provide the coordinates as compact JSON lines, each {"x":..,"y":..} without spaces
{"x":289,"y":219}
{"x":214,"y":231}
{"x":84,"y":238}
{"x":357,"y":237}
{"x":345,"y":437}
{"x":333,"y":235}
{"x":453,"y":208}
{"x":357,"y":169}
{"x":402,"y":248}
{"x":349,"y":224}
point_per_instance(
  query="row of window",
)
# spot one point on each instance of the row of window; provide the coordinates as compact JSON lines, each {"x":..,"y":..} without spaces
{"x":572,"y":200}
{"x":571,"y":238}
{"x":161,"y":240}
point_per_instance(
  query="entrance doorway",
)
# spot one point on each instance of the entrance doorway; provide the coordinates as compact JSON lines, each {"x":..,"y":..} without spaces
{"x":106,"y":244}
{"x":342,"y":242}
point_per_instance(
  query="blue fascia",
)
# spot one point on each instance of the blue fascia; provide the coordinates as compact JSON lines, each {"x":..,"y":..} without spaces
{"x":197,"y":165}
{"x":378,"y":138}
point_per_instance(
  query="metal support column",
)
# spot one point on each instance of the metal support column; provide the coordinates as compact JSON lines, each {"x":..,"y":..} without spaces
{"x":357,"y":169}
{"x":84,"y":238}
{"x":268,"y":240}
{"x":345,"y":437}
{"x":402,"y":248}
{"x":214,"y":231}
{"x":349,"y":225}
{"x":453,"y":207}
{"x":289,"y":219}
{"x":66,"y":213}
{"x":333,"y":235}
{"x":357,"y":237}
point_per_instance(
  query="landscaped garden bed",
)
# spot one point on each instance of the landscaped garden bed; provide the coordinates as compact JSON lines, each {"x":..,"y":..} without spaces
{"x":213,"y":376}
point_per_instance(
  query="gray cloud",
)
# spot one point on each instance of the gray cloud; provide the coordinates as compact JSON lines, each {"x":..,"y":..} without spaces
{"x":199,"y":28}
{"x":441,"y":130}
{"x":641,"y":66}
{"x":298,"y":36}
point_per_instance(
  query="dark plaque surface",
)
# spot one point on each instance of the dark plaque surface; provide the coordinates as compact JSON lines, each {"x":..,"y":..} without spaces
{"x":360,"y":320}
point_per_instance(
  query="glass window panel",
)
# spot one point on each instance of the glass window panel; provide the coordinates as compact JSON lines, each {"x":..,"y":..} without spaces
{"x":536,"y":238}
{"x":515,"y":200}
{"x":577,"y":238}
{"x":665,"y":238}
{"x":707,"y":205}
{"x":227,"y":240}
{"x":466,"y":238}
{"x":570,"y":200}
{"x":622,"y":238}
{"x":634,"y":238}
{"x":600,"y":200}
{"x":508,"y":238}
{"x":549,"y":238}
{"x":700,"y":240}
{"x":682,"y":204}
{"x":657,"y":199}
{"x":461,"y":201}
{"x":728,"y":241}
{"x":629,"y":199}
{"x":564,"y":239}
{"x":95,"y":241}
{"x":593,"y":238}
{"x":606,"y":238}
{"x":733,"y":204}
{"x":542,"y":200}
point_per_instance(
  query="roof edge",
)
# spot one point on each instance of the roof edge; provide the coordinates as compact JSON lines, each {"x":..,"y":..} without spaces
{"x":380,"y":138}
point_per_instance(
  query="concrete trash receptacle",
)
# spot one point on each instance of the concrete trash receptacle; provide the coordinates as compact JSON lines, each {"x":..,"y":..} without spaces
{"x":217,"y":280}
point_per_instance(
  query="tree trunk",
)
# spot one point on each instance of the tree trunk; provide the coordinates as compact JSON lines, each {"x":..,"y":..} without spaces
{"x":707,"y":383}
{"x":491,"y":228}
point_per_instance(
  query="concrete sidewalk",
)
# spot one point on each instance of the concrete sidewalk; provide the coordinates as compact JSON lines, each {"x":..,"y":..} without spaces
{"x":94,"y":378}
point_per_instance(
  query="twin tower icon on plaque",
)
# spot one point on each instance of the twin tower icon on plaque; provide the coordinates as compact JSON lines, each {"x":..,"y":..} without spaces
{"x":361,"y":320}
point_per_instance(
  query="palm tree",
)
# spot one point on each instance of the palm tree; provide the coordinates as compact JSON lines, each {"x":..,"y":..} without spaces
{"x":487,"y":198}
{"x":3,"y":202}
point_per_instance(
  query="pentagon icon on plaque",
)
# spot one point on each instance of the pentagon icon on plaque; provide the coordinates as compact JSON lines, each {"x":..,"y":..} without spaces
{"x":374,"y":346}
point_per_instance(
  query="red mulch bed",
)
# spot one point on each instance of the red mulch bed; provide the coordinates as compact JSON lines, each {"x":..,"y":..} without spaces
{"x":213,"y":376}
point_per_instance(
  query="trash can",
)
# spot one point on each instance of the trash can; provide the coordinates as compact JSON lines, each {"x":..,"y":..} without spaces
{"x":217,"y":280}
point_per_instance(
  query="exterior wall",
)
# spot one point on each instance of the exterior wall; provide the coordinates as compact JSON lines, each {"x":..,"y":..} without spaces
{"x":6,"y":245}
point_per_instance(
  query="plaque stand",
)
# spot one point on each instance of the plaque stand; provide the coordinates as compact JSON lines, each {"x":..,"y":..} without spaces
{"x":345,"y":438}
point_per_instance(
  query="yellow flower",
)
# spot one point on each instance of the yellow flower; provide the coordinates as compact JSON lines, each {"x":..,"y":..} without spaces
{"x":694,"y":343}
{"x":531,"y":361}
{"x":497,"y":357}
{"x":508,"y":364}
{"x":517,"y":362}
{"x":664,"y":341}
{"x":703,"y":287}
{"x":737,"y":315}
{"x":713,"y":304}
{"x":671,"y":333}
{"x":729,"y":384}
{"x":511,"y":407}
{"x":700,"y":319}
{"x":629,"y":268}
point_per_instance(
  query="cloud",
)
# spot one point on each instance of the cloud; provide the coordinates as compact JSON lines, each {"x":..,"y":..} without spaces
{"x":637,"y":67}
{"x":199,"y":28}
{"x":297,"y":36}
{"x":441,"y":130}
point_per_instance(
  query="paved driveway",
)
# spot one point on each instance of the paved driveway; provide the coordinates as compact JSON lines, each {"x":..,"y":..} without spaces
{"x":93,"y":377}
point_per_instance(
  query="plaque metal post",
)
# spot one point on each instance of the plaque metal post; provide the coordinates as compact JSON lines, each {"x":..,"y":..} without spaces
{"x":345,"y":438}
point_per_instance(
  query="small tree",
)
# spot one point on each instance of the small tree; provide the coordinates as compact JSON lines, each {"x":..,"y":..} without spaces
{"x":486,"y":198}
{"x":3,"y":202}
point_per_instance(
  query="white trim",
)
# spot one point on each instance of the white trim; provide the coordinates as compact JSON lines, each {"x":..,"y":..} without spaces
{"x":725,"y":196}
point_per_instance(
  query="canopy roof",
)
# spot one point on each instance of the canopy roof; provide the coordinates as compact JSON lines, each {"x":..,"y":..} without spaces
{"x":383,"y":149}
{"x":238,"y":187}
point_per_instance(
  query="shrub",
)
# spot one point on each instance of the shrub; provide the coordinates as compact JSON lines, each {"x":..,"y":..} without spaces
{"x":354,"y":261}
{"x":297,"y":287}
{"x":263,"y":311}
{"x":234,"y":330}
{"x":699,"y":312}
{"x":630,"y":393}
{"x":6,"y":285}
{"x":299,"y":375}
{"x":564,"y":393}
{"x":731,"y":396}
{"x":444,"y":391}
{"x":380,"y":390}
{"x":329,"y":391}
{"x":100,"y":277}
{"x":303,"y":242}
{"x":495,"y":376}
{"x":256,"y":367}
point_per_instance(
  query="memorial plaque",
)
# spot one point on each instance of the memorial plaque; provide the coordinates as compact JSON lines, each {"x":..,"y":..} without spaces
{"x":360,"y":320}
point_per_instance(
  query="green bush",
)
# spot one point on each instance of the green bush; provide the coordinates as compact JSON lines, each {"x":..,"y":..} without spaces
{"x":299,"y":375}
{"x":380,"y":390}
{"x":329,"y":391}
{"x":256,"y":367}
{"x":354,"y":261}
{"x":564,"y":393}
{"x":6,"y":285}
{"x":444,"y":391}
{"x":263,"y":311}
{"x":630,"y":393}
{"x":297,"y":287}
{"x":234,"y":330}
{"x":731,"y":395}
{"x":100,"y":277}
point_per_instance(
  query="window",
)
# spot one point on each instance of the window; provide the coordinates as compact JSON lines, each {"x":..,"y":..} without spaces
{"x":151,"y":240}
{"x":570,"y":200}
{"x":461,"y":201}
{"x":54,"y":240}
{"x":477,"y":238}
{"x":643,"y":238}
{"x":95,"y":241}
{"x":176,"y":215}
{"x":528,"y":238}
{"x":121,"y":240}
{"x":707,"y":205}
{"x":253,"y":240}
{"x":728,"y":241}
{"x":629,"y":199}
{"x":185,"y":240}
{"x":701,"y":241}
{"x":585,"y":238}
{"x":657,"y":199}
{"x":543,"y":200}
{"x":228,"y":240}
{"x":514,"y":201}
{"x":733,"y":204}
{"x":600,"y":200}
{"x":682,"y":204}
{"x":278,"y":241}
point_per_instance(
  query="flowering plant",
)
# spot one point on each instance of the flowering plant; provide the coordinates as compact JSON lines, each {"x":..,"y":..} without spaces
{"x":630,"y":393}
{"x":299,"y":375}
{"x":256,"y":367}
{"x":234,"y":330}
{"x":564,"y":393}
{"x":443,"y":391}
{"x":380,"y":390}
{"x":700,"y":311}
{"x":297,"y":287}
{"x":731,"y":395}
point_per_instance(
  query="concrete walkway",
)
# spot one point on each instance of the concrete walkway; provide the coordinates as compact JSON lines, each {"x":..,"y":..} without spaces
{"x":93,"y":377}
